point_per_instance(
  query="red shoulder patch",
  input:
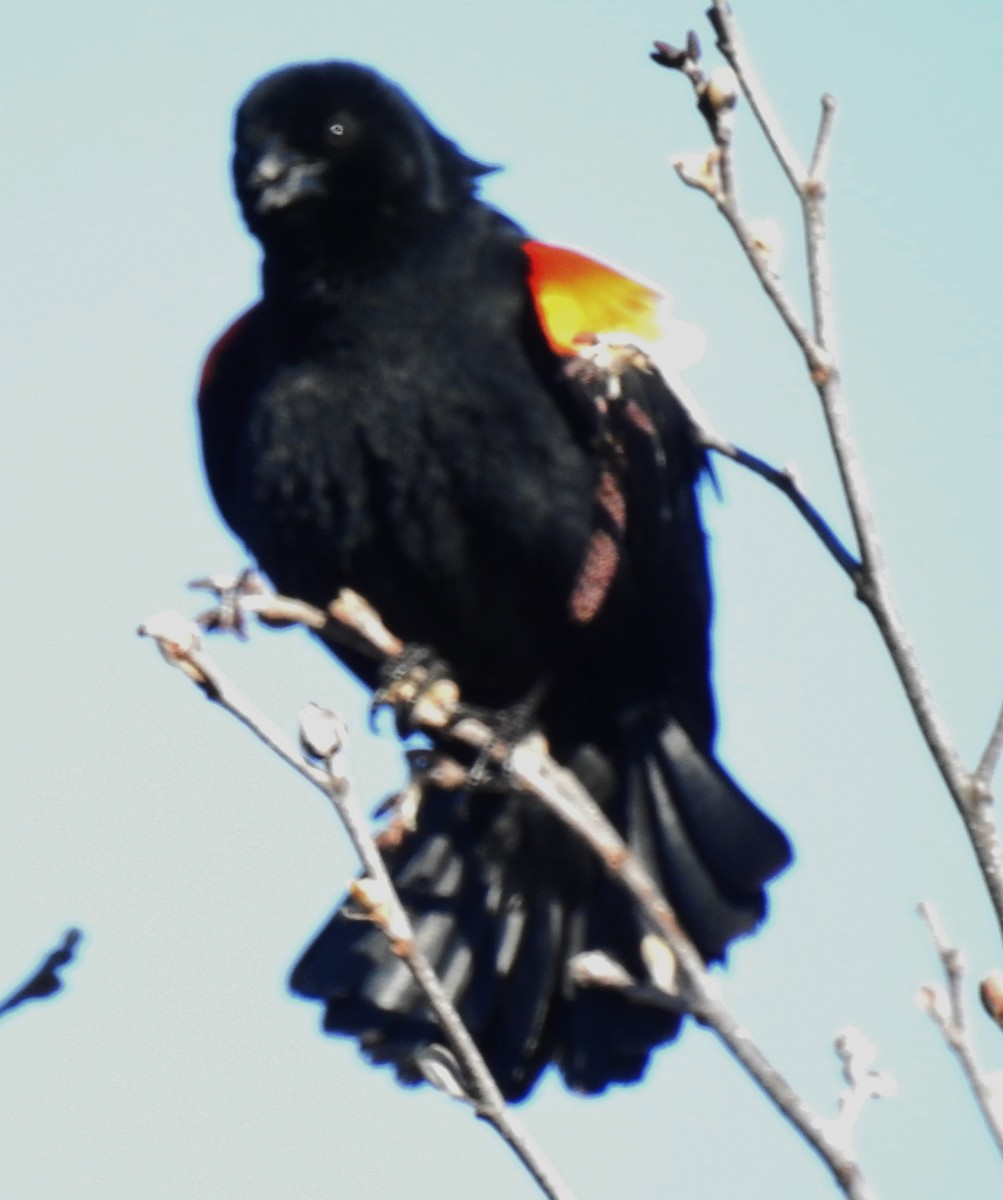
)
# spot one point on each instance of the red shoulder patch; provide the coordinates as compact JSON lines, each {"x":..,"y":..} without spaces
{"x":221,"y":346}
{"x":577,"y":296}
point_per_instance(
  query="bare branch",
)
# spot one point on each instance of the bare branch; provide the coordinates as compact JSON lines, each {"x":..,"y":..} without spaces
{"x":945,"y":1006}
{"x":179,"y":643}
{"x":970,"y":792}
{"x":816,"y":357}
{"x":531,"y":768}
{"x":714,"y":174}
{"x":732,"y":47}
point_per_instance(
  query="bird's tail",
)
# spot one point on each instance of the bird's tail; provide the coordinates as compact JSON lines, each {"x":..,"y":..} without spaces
{"x":503,"y":898}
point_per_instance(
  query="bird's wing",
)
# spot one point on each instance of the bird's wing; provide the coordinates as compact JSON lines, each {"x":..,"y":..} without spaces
{"x":606,"y":325}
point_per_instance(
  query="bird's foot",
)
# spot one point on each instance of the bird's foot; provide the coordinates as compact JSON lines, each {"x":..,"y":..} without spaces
{"x":417,"y":685}
{"x":508,"y":726}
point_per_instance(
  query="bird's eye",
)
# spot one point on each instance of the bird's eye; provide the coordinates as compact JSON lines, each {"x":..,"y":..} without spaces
{"x":343,"y":130}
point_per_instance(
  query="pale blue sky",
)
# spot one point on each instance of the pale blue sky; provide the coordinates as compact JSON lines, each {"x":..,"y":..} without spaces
{"x":175,"y":1065}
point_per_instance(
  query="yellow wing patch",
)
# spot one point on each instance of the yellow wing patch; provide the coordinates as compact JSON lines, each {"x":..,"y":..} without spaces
{"x":576,"y":296}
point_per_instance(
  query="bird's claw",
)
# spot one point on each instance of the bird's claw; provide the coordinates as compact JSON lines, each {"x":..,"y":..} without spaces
{"x":417,"y":685}
{"x":508,"y":726}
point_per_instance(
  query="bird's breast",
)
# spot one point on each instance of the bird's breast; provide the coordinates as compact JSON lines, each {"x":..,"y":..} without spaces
{"x":458,"y":503}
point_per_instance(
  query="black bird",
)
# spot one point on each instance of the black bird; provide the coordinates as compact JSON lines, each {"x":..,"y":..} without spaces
{"x":400,"y":414}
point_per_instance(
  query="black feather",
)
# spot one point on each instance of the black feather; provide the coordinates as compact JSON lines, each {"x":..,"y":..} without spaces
{"x":391,"y":417}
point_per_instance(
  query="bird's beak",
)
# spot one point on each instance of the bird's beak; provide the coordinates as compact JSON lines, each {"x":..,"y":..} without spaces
{"x":282,"y":176}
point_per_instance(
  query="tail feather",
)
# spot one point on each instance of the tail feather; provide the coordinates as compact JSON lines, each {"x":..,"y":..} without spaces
{"x":502,"y":897}
{"x":710,"y":915}
{"x":599,"y":1038}
{"x":514,"y":1032}
{"x":741,"y":846}
{"x":491,"y":929}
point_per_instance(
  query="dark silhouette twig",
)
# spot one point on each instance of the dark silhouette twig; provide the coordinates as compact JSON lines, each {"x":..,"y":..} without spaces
{"x":46,"y":980}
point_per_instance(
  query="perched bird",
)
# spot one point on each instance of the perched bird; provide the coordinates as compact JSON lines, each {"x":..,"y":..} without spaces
{"x":401,"y":414}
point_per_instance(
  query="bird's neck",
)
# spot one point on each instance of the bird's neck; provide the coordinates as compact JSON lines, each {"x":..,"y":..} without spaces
{"x":300,"y":285}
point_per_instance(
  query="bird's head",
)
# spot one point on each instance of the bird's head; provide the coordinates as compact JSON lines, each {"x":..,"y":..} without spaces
{"x":332,"y":153}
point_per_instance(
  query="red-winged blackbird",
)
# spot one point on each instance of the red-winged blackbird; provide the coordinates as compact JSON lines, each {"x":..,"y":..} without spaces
{"x":397,"y":415}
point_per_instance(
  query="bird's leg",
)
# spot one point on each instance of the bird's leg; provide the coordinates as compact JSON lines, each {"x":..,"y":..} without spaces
{"x":418,"y":685}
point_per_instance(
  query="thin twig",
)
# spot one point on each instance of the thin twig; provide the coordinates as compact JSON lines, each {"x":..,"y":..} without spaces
{"x":813,"y":193}
{"x":179,"y":642}
{"x":785,"y":481}
{"x":818,"y":361}
{"x":945,"y":1006}
{"x":731,"y":46}
{"x":990,"y":756}
{"x":714,"y":175}
{"x":823,"y":139}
